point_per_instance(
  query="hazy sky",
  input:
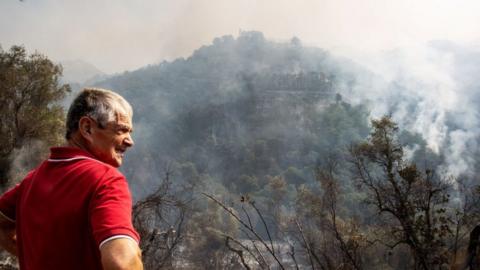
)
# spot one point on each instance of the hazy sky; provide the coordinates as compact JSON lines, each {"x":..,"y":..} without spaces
{"x":116,"y":35}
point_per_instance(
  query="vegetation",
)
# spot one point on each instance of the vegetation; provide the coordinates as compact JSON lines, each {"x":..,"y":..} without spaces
{"x":32,"y":117}
{"x":414,"y":201}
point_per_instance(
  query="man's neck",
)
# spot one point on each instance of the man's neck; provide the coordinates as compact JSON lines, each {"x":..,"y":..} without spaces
{"x":77,"y":142}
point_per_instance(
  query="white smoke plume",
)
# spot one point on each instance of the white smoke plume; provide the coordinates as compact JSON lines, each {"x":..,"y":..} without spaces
{"x":426,"y":90}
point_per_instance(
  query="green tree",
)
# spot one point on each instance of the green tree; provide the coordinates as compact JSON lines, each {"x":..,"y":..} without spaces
{"x":413,"y":202}
{"x":29,"y":94}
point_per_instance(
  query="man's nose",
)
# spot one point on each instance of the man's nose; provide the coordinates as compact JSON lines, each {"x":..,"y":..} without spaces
{"x":129,"y":141}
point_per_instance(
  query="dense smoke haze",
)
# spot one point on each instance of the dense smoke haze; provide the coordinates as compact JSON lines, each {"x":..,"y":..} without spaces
{"x":100,"y":31}
{"x":430,"y":90}
{"x":423,"y":52}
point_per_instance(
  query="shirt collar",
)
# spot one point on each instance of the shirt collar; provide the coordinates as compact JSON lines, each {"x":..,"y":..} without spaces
{"x":69,"y":152}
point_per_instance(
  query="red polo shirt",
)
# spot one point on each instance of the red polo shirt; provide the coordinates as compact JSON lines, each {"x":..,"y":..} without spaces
{"x":66,"y":208}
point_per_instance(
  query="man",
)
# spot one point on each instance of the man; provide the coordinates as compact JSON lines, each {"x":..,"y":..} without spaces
{"x":74,"y":210}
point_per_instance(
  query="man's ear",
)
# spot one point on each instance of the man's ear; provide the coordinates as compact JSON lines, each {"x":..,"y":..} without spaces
{"x":85,"y":126}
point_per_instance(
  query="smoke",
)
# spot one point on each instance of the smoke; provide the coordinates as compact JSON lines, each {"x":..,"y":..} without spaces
{"x":390,"y":38}
{"x":119,"y":35}
{"x":428,"y":90}
{"x":26,"y":158}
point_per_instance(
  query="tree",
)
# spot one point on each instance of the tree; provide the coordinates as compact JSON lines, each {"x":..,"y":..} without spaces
{"x":413,"y":202}
{"x":330,"y":239}
{"x":159,"y":218}
{"x":263,"y":251}
{"x":29,"y":96}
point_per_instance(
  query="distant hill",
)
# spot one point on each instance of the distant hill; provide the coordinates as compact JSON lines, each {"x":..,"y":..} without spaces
{"x":240,"y":108}
{"x":80,"y":72}
{"x":229,"y":68}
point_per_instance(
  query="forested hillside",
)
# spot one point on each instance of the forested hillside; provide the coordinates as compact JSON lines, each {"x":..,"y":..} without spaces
{"x":250,"y":154}
{"x":240,"y":110}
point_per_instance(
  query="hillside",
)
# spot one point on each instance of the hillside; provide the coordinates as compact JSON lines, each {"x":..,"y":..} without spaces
{"x":278,"y":133}
{"x":78,"y":71}
{"x":240,"y":108}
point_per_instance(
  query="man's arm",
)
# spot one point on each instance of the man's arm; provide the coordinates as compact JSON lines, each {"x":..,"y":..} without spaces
{"x":121,"y":254}
{"x":8,"y":235}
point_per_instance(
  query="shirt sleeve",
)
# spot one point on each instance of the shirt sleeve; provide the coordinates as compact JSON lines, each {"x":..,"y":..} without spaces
{"x":8,"y":201}
{"x":111,"y":210}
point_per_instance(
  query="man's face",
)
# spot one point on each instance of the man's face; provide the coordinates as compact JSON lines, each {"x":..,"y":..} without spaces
{"x":110,"y":143}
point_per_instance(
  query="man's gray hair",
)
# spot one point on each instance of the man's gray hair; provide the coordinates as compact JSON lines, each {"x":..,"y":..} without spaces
{"x":101,"y":105}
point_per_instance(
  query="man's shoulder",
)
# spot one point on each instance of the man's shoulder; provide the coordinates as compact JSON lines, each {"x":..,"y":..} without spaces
{"x":71,"y":166}
{"x":78,"y":160}
{"x":99,"y":167}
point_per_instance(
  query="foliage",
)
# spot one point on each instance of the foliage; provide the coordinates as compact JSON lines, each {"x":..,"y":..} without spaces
{"x":160,"y":220}
{"x":29,"y":96}
{"x":414,"y":201}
